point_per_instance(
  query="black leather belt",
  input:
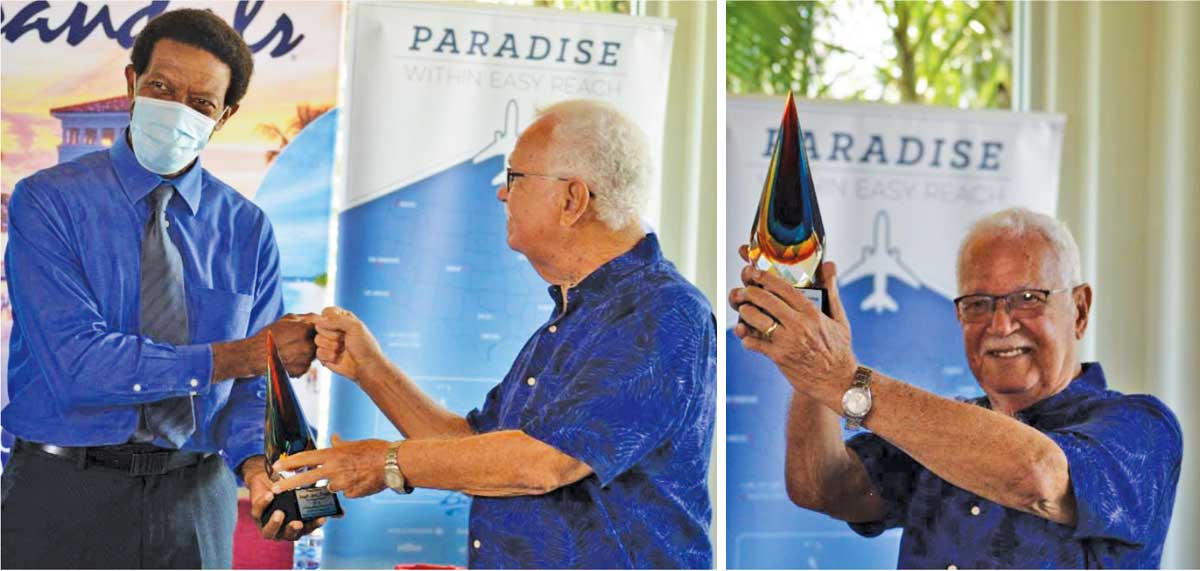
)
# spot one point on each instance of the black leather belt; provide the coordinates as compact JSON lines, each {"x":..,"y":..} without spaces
{"x":134,"y":459}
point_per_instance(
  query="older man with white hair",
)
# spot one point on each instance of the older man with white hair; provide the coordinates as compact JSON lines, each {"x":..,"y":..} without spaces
{"x":593,"y":450}
{"x":1048,"y":469}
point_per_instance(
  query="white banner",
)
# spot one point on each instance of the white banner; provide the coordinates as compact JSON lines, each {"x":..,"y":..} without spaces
{"x":898,"y":187}
{"x":437,"y":95}
{"x":410,"y":60}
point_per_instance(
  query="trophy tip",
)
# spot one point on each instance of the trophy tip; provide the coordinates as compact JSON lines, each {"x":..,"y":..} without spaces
{"x":270,"y":343}
{"x":791,"y":118}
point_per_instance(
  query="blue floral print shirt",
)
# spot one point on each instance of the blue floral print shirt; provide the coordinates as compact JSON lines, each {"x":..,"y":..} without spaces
{"x":1123,"y":453}
{"x":623,"y":378}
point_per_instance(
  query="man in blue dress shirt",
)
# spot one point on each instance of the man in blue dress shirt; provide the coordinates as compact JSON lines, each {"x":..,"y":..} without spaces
{"x":138,"y":283}
{"x":593,"y":450}
{"x":1050,"y":469}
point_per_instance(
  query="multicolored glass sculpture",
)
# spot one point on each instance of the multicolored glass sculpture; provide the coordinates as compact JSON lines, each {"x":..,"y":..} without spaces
{"x":788,"y":237}
{"x":287,"y":432}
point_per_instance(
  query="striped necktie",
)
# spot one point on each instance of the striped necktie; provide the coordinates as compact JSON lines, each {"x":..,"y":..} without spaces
{"x":164,"y":316}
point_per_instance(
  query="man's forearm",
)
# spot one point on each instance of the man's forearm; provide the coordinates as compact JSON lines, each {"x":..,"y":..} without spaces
{"x":821,"y":472}
{"x":497,"y":464}
{"x":978,"y":450}
{"x":237,"y":360}
{"x":411,"y":411}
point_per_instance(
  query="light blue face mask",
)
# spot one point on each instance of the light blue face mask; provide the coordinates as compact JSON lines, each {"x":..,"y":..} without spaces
{"x":166,"y":135}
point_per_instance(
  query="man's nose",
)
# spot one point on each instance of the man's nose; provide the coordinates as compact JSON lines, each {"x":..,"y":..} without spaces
{"x":1002,"y":322}
{"x":502,"y":193}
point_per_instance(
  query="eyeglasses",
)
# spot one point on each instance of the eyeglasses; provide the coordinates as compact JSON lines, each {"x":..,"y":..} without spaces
{"x":512,"y":175}
{"x":1021,"y":303}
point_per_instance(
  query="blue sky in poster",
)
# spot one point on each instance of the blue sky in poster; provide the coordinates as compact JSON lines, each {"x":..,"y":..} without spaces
{"x":296,"y":195}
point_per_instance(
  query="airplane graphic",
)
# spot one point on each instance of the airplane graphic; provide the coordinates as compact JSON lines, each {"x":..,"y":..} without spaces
{"x":881,"y":261}
{"x":503,"y":141}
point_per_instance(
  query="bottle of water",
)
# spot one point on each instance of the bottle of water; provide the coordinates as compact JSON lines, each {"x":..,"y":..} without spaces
{"x":307,"y":554}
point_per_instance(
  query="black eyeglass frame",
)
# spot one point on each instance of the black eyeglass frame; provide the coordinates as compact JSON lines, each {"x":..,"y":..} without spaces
{"x":1010,"y":300}
{"x":510,"y":175}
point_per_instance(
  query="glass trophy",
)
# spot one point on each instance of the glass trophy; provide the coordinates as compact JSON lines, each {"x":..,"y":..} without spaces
{"x":287,"y":432}
{"x":788,"y":237}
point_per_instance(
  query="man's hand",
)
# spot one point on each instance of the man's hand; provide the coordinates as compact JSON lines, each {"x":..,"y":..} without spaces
{"x":354,"y":468}
{"x":813,"y":351}
{"x":254,"y":472}
{"x":345,"y":346}
{"x":294,"y":335}
{"x":247,"y":357}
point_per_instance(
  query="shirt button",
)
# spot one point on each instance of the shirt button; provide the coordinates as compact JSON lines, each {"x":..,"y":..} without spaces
{"x":531,"y":381}
{"x":137,"y":388}
{"x":554,"y":329}
{"x":975,"y":510}
{"x":166,"y":223}
{"x":476,"y":544}
{"x":195,"y":383}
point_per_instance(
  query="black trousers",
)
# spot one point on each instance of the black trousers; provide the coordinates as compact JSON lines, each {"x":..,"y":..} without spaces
{"x":58,"y":514}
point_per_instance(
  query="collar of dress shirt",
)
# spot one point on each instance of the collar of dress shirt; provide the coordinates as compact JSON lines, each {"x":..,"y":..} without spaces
{"x":139,"y":182}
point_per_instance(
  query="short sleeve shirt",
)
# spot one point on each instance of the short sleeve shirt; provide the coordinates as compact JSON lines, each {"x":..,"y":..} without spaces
{"x":1123,"y":452}
{"x":623,"y":378}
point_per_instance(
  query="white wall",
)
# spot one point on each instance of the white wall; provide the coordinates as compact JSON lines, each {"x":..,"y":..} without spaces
{"x":1128,"y":79}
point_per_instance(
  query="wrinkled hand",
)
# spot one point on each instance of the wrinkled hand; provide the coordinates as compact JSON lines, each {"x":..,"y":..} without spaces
{"x":294,"y":336}
{"x":344,"y":344}
{"x":254,"y":472}
{"x":809,"y":348}
{"x":354,"y":467}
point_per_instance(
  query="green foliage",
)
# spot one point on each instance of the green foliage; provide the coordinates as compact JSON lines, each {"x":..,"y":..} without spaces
{"x":941,"y":53}
{"x":615,"y":6}
{"x":770,"y":47}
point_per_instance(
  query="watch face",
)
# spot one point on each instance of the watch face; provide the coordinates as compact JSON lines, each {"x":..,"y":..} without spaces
{"x":856,"y":402}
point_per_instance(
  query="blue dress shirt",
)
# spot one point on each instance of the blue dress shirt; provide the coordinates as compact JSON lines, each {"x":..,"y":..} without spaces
{"x":623,"y":378}
{"x":1123,"y":453}
{"x":78,"y":367}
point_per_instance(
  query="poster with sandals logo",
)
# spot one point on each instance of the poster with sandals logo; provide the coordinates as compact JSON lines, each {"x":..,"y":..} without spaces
{"x":64,"y":95}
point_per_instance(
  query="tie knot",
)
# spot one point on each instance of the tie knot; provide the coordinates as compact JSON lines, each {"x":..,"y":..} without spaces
{"x":160,"y":197}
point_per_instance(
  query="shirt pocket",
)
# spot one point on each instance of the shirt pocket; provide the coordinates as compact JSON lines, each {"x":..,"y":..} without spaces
{"x":218,"y":315}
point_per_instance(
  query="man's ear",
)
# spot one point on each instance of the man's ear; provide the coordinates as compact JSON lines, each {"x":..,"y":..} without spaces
{"x":130,"y":82}
{"x":1081,"y":296}
{"x":578,"y":197}
{"x":229,"y":111}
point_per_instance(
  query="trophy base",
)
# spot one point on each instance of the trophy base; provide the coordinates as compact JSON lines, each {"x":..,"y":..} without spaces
{"x":304,"y":504}
{"x":818,"y":296}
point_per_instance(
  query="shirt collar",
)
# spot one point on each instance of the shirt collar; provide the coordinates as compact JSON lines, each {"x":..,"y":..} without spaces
{"x":139,"y":182}
{"x":644,"y":253}
{"x":1091,"y":380}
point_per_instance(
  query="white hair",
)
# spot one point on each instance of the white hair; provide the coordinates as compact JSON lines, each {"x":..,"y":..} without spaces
{"x":1020,"y":222}
{"x":597,"y":143}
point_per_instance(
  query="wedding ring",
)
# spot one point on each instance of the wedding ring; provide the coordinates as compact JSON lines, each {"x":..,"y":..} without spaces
{"x":770,"y":330}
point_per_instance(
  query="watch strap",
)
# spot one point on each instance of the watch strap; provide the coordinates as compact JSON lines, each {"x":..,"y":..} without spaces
{"x":862,"y":376}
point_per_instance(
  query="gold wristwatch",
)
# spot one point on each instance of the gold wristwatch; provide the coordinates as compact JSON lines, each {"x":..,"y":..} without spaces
{"x":392,"y":475}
